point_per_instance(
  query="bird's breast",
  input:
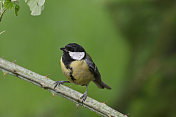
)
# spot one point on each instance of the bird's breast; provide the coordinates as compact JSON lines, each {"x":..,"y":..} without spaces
{"x":80,"y":72}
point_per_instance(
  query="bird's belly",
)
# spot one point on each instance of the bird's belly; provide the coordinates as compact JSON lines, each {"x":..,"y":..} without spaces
{"x":81,"y":73}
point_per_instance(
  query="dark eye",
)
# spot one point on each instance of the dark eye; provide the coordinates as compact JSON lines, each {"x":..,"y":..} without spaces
{"x":70,"y":49}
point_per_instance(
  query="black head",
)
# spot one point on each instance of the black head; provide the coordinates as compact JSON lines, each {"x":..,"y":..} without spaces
{"x":73,"y":47}
{"x":73,"y":51}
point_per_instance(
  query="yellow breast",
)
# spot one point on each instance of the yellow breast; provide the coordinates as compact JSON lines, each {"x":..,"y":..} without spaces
{"x":65,"y":70}
{"x":80,"y":71}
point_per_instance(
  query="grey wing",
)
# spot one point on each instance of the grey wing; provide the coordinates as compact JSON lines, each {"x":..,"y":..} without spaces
{"x":94,"y":70}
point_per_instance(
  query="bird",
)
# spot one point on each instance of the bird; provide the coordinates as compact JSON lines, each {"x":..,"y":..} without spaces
{"x":79,"y":68}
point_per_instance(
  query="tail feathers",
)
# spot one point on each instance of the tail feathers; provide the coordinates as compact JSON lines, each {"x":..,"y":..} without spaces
{"x":102,"y":85}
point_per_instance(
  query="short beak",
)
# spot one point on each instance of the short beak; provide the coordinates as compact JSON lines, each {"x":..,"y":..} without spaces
{"x":63,"y":49}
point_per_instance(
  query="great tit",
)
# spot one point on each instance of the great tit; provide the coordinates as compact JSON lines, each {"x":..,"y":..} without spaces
{"x":79,"y":68}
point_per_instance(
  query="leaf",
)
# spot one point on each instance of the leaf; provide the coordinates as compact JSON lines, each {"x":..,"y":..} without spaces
{"x":8,"y":4}
{"x":36,"y":6}
{"x":17,"y":7}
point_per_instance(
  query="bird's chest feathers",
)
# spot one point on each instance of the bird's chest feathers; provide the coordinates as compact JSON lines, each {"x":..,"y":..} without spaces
{"x":79,"y":68}
{"x":80,"y":72}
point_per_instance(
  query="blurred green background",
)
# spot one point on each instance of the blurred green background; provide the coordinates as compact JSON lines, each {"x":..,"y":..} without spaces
{"x":131,"y":41}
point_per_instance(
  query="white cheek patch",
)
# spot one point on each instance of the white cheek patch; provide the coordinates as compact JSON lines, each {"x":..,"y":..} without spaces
{"x":77,"y":55}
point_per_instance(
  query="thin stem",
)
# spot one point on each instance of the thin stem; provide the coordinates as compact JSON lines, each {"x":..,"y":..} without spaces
{"x":2,"y":11}
{"x":66,"y":92}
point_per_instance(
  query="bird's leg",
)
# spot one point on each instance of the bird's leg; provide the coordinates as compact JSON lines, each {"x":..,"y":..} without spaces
{"x":84,"y":96}
{"x":60,"y":82}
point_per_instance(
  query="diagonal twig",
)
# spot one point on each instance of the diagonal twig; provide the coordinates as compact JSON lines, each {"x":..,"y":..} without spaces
{"x":66,"y":92}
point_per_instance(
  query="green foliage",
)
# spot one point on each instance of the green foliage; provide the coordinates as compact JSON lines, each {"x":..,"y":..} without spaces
{"x":8,"y":4}
{"x":36,"y":6}
{"x":11,"y":4}
{"x":150,"y":30}
{"x":17,"y":7}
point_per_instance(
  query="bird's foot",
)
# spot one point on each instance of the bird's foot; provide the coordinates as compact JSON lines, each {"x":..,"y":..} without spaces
{"x":83,"y":97}
{"x":59,"y":83}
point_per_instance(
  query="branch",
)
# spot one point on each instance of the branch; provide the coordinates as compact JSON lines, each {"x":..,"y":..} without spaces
{"x":66,"y":92}
{"x":2,"y":11}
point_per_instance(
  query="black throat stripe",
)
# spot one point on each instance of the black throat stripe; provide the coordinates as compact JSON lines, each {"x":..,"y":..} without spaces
{"x":66,"y":59}
{"x":73,"y":79}
{"x":71,"y":76}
